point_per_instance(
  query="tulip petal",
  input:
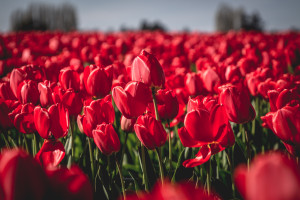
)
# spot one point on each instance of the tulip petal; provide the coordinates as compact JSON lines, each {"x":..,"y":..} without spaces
{"x":202,"y":156}
{"x":51,"y":153}
{"x":42,"y":121}
{"x":240,"y":175}
{"x":187,"y":140}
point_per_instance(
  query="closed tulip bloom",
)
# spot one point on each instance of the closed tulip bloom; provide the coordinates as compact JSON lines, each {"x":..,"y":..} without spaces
{"x":193,"y":83}
{"x":51,"y":153}
{"x":133,"y":99}
{"x":95,"y":113}
{"x":147,"y":69}
{"x":106,"y":139}
{"x":53,"y":122}
{"x":98,"y":81}
{"x":270,"y":176}
{"x":150,"y":132}
{"x":69,"y":78}
{"x":28,"y":92}
{"x":237,"y":104}
{"x":72,"y":101}
{"x":6,"y":92}
{"x":211,"y":80}
{"x":46,"y":93}
{"x":127,"y":124}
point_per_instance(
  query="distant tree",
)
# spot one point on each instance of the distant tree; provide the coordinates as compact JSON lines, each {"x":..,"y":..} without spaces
{"x":145,"y":25}
{"x":44,"y":17}
{"x":228,"y":18}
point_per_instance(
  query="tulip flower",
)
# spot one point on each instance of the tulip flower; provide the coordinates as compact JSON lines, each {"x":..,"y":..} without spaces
{"x":147,"y":69}
{"x":28,"y":92}
{"x":211,"y":80}
{"x":214,"y":135}
{"x":193,"y":83}
{"x":150,"y":131}
{"x":6,"y":92}
{"x":23,"y":118}
{"x":51,"y":153}
{"x":21,"y":177}
{"x":98,"y":80}
{"x":106,"y":139}
{"x":237,"y":104}
{"x":46,"y":93}
{"x":127,"y":124}
{"x":167,"y":104}
{"x":72,"y":101}
{"x":53,"y":122}
{"x":95,"y":113}
{"x":69,"y":78}
{"x":270,"y":176}
{"x":133,"y":99}
{"x":6,"y":115}
{"x":69,"y":183}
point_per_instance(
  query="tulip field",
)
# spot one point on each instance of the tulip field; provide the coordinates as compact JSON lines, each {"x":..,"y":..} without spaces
{"x":149,"y":115}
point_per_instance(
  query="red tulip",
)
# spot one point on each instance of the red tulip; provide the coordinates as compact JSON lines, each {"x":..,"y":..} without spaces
{"x":72,"y":101}
{"x":270,"y":176}
{"x":237,"y":104}
{"x":170,"y":191}
{"x":150,"y":131}
{"x":211,"y":80}
{"x":53,"y":122}
{"x":28,"y":92}
{"x":193,"y":83}
{"x":215,"y":133}
{"x":69,"y":184}
{"x":133,"y":99}
{"x":51,"y":153}
{"x":21,"y":177}
{"x":69,"y":78}
{"x":146,"y":69}
{"x":6,"y":115}
{"x":95,"y":113}
{"x":106,"y":139}
{"x":6,"y":92}
{"x":167,"y":104}
{"x":127,"y":124}
{"x":23,"y":118}
{"x":46,"y":94}
{"x":98,"y":81}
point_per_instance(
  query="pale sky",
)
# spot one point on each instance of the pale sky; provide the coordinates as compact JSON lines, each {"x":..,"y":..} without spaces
{"x":175,"y":15}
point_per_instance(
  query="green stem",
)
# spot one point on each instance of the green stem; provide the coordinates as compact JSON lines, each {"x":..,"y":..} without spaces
{"x":35,"y":145}
{"x":5,"y":141}
{"x":155,"y":105}
{"x":72,"y":140}
{"x":248,"y":147}
{"x":91,"y":158}
{"x":144,"y":168}
{"x":208,"y":176}
{"x":121,"y":178}
{"x":170,"y":150}
{"x":25,"y":142}
{"x":123,"y":149}
{"x":160,"y":165}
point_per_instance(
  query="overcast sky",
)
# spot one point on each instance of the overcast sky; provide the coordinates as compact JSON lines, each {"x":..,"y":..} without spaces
{"x":174,"y":14}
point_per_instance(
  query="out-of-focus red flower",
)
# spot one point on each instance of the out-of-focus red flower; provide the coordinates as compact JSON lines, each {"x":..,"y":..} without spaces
{"x":6,"y":92}
{"x":95,"y":113}
{"x":53,"y":122}
{"x":211,"y":80}
{"x":236,"y":101}
{"x":215,"y":133}
{"x":127,"y":124}
{"x":170,"y":191}
{"x":21,"y":177}
{"x":264,"y":86}
{"x":246,"y":65}
{"x":6,"y":116}
{"x":69,"y":78}
{"x":133,"y":99}
{"x":47,"y":96}
{"x":167,"y":104}
{"x":147,"y":69}
{"x":232,"y":74}
{"x":23,"y":118}
{"x":270,"y":176}
{"x":150,"y":131}
{"x":98,"y":81}
{"x":106,"y":139}
{"x":193,"y":83}
{"x":28,"y":92}
{"x":51,"y":153}
{"x":69,"y":184}
{"x":280,"y":99}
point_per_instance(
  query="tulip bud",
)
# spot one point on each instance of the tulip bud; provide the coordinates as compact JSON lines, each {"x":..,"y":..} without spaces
{"x":236,"y":101}
{"x":28,"y":92}
{"x":127,"y":124}
{"x":106,"y":139}
{"x":150,"y":132}
{"x":69,"y":78}
{"x":147,"y":69}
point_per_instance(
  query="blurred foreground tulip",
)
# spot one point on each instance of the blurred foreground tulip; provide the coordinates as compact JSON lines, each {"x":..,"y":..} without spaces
{"x":271,"y":176}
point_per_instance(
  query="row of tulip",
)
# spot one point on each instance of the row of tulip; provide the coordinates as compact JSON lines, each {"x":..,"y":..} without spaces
{"x":96,"y":110}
